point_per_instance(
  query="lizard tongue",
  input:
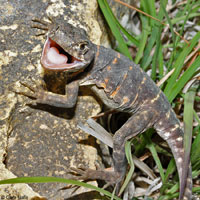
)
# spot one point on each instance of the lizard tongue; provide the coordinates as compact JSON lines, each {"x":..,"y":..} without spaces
{"x":54,"y":57}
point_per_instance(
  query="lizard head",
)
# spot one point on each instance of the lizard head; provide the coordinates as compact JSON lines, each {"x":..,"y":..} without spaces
{"x":67,"y":48}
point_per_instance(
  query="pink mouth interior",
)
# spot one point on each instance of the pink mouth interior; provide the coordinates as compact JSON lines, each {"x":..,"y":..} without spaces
{"x":54,"y":57}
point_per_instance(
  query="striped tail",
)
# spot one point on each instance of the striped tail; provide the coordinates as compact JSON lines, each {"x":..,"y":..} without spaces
{"x":173,"y":134}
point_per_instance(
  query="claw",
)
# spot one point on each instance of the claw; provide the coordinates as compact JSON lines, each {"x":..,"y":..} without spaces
{"x":27,"y":94}
{"x":37,"y":86}
{"x":41,"y":21}
{"x":39,"y":27}
{"x":107,"y":185}
{"x":42,"y":85}
{"x":33,"y":88}
{"x":80,"y":173}
{"x":43,"y":25}
{"x":75,"y":187}
{"x":27,"y":86}
{"x":77,"y":170}
{"x":86,"y":174}
{"x":51,"y":19}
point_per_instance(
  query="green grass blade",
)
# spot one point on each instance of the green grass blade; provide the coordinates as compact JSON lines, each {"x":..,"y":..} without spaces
{"x":195,"y":151}
{"x":170,"y":169}
{"x":188,"y":74}
{"x":156,"y":56}
{"x":179,"y":64}
{"x":143,"y":39}
{"x":185,"y":13}
{"x":147,"y":58}
{"x":196,"y":117}
{"x":173,"y":35}
{"x":55,"y":179}
{"x":188,"y":119}
{"x":153,"y":37}
{"x":152,"y":11}
{"x":114,"y":28}
{"x":192,"y":15}
{"x":152,"y":149}
{"x":126,"y":33}
{"x":147,"y":27}
{"x":132,"y":167}
{"x":160,"y":62}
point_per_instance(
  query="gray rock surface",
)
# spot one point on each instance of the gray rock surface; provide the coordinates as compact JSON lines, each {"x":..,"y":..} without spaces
{"x":41,"y":140}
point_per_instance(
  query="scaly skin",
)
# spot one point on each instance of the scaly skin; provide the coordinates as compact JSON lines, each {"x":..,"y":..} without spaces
{"x":121,"y":85}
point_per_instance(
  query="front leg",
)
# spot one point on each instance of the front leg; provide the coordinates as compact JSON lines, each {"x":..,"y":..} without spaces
{"x":42,"y":96}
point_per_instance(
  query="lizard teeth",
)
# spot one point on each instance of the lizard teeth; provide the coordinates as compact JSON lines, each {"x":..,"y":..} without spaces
{"x":54,"y":57}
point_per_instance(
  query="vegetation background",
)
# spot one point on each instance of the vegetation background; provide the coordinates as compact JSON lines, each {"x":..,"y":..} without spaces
{"x":167,"y":49}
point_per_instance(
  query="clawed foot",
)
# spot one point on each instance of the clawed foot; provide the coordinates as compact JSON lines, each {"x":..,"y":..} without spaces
{"x":32,"y":89}
{"x":43,"y":25}
{"x":85,"y":174}
{"x":90,"y":174}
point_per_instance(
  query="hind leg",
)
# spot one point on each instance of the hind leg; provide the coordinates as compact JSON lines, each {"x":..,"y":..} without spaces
{"x":135,"y":125}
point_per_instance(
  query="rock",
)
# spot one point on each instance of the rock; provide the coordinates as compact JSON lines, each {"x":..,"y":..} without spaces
{"x":41,"y":140}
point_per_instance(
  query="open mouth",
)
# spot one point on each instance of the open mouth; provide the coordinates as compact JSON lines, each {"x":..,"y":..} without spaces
{"x":54,"y":57}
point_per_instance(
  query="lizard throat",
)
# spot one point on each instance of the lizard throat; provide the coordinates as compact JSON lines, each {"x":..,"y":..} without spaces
{"x":54,"y":57}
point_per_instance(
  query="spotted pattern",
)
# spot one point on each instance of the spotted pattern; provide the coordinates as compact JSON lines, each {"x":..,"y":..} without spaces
{"x":175,"y":127}
{"x":134,"y":100}
{"x":103,"y":85}
{"x":180,"y":160}
{"x":97,"y":53}
{"x":125,"y":100}
{"x":167,"y":135}
{"x":156,"y":98}
{"x":106,"y":80}
{"x":125,"y":76}
{"x":179,"y":139}
{"x":143,"y":80}
{"x":176,"y":150}
{"x":109,"y":68}
{"x":115,"y":92}
{"x":114,"y":61}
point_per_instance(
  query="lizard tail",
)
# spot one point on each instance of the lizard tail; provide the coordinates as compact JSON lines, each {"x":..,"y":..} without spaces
{"x":186,"y":193}
{"x":174,"y":138}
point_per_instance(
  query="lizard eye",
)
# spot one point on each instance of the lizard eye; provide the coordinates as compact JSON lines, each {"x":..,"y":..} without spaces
{"x":83,"y":47}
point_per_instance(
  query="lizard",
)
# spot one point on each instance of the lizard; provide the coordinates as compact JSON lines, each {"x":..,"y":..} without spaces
{"x":121,"y":85}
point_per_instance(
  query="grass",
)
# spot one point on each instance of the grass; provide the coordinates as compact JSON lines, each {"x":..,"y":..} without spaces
{"x":184,"y":70}
{"x":151,"y":55}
